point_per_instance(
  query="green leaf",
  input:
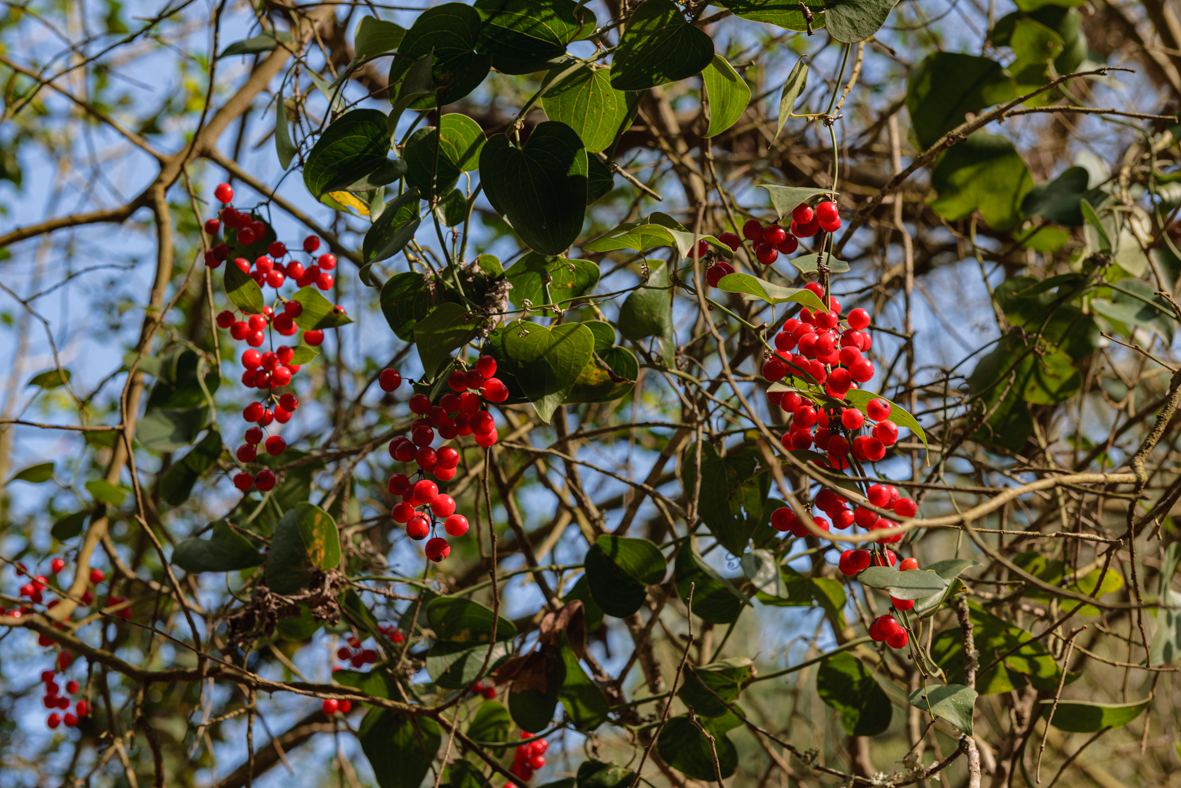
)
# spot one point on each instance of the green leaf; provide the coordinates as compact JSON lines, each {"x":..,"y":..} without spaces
{"x":1029,"y":664}
{"x":225,"y":551}
{"x":659,"y":46}
{"x":945,"y":86}
{"x":796,"y":82}
{"x":655,"y":231}
{"x":69,"y":526}
{"x":399,"y":747}
{"x":417,"y":82}
{"x":461,"y":620}
{"x":728,"y":95}
{"x":784,"y":199}
{"x":647,"y":312}
{"x":546,"y":361}
{"x":34,"y":474}
{"x":539,"y":189}
{"x":394,"y":228}
{"x":585,"y":101}
{"x":600,"y":180}
{"x":810,"y":263}
{"x":355,"y":145}
{"x":169,"y":429}
{"x":568,"y":279}
{"x":452,"y":209}
{"x":725,"y":679}
{"x":1059,"y":199}
{"x":952,"y":702}
{"x":597,"y":774}
{"x":732,"y":497}
{"x":243,"y":291}
{"x":376,"y":37}
{"x":983,"y":173}
{"x":581,"y":592}
{"x":610,"y":374}
{"x":177,"y":482}
{"x":300,"y":628}
{"x":619,"y":571}
{"x":860,"y":399}
{"x":1132,"y":305}
{"x":950,"y":568}
{"x":784,"y":13}
{"x":846,"y":685}
{"x":441,"y":332}
{"x":682,"y":746}
{"x":458,"y":152}
{"x":284,"y":147}
{"x":585,"y":703}
{"x":856,"y":20}
{"x":386,"y":173}
{"x":318,"y":312}
{"x":104,"y":492}
{"x":1091,"y":217}
{"x":762,"y":569}
{"x":305,"y":543}
{"x":453,"y":665}
{"x":532,"y":707}
{"x":492,"y":723}
{"x":1079,"y":716}
{"x":830,"y":595}
{"x":264,"y":42}
{"x":715,"y":599}
{"x":50,"y":378}
{"x":451,"y":32}
{"x":767,"y":291}
{"x":911,"y":584}
{"x":1033,"y":42}
{"x":524,"y":35}
{"x":1166,"y":642}
{"x":399,"y":296}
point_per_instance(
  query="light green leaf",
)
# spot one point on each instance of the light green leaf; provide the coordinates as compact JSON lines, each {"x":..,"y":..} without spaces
{"x":568,"y":279}
{"x":585,"y":101}
{"x":1166,"y":642}
{"x":850,"y":22}
{"x":1033,"y":42}
{"x":243,"y":291}
{"x":284,"y":147}
{"x":318,"y":312}
{"x":767,"y":291}
{"x":105,"y":492}
{"x":784,"y":13}
{"x":983,"y":173}
{"x":796,"y":82}
{"x":728,"y":95}
{"x":860,"y":399}
{"x":952,"y":702}
{"x":51,"y":378}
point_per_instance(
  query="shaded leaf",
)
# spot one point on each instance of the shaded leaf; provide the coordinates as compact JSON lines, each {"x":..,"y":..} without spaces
{"x":33,"y":474}
{"x":796,"y":82}
{"x":714,"y":598}
{"x":945,"y":86}
{"x":659,"y":46}
{"x":225,"y":551}
{"x":305,"y":543}
{"x":354,"y":146}
{"x":952,"y":702}
{"x":318,"y":312}
{"x":845,"y":684}
{"x":399,"y":747}
{"x":394,"y":228}
{"x":449,"y":31}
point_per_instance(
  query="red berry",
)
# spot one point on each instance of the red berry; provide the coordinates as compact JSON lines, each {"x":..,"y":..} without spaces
{"x":326,"y":262}
{"x":426,"y":491}
{"x":224,"y":193}
{"x":324,"y":281}
{"x":902,"y":604}
{"x":264,"y":480}
{"x":905,"y":507}
{"x":700,"y":250}
{"x":289,"y":402}
{"x":54,"y":720}
{"x":782,"y":519}
{"x":898,"y":638}
{"x":57,"y":565}
{"x":752,"y":230}
{"x":482,"y":423}
{"x":437,"y":549}
{"x":315,"y":337}
{"x":774,"y":235}
{"x":311,"y":244}
{"x":276,"y":445}
{"x":878,"y":495}
{"x":788,"y":245}
{"x":766,"y":253}
{"x":716,"y":272}
{"x":72,"y":687}
{"x":443,"y":505}
{"x":82,"y":707}
{"x":495,"y":391}
{"x":486,"y":439}
{"x":805,"y":230}
{"x":456,"y":525}
{"x":802,"y":214}
{"x":878,"y":409}
{"x":330,"y":706}
{"x":70,"y":720}
{"x":97,"y":576}
{"x":907,"y":564}
{"x":887,"y":432}
{"x":858,"y":319}
{"x":246,"y":453}
{"x":253,"y":412}
{"x":731,"y":240}
{"x":827,"y":212}
{"x":486,"y":366}
{"x":420,"y":404}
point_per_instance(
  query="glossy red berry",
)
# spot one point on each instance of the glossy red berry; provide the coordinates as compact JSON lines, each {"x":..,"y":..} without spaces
{"x":330,"y":706}
{"x":906,"y":507}
{"x":426,"y":491}
{"x":97,"y":576}
{"x":802,"y":214}
{"x":774,"y":235}
{"x":437,"y":549}
{"x":731,"y":240}
{"x":858,"y":319}
{"x":752,"y":230}
{"x":246,"y":453}
{"x":326,"y":262}
{"x":54,"y":720}
{"x":456,"y":525}
{"x":315,"y":337}
{"x":766,"y":253}
{"x":224,"y":193}
{"x":878,"y":409}
{"x":243,"y":481}
{"x":717,"y":272}
{"x":289,"y":402}
{"x":82,"y":707}
{"x":782,"y":519}
{"x":827,"y":212}
{"x":264,"y":480}
{"x":788,"y":245}
{"x":311,"y":243}
{"x":886,"y":431}
{"x":57,"y":565}
{"x":389,"y":379}
{"x":276,"y":445}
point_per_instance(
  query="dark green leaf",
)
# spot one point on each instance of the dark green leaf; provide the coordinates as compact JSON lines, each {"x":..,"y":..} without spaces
{"x":1079,"y":716}
{"x":300,"y":628}
{"x":983,"y":173}
{"x":318,"y":312}
{"x":306,"y":542}
{"x":619,"y":570}
{"x":539,"y":189}
{"x":647,"y":312}
{"x":568,"y":279}
{"x":376,"y":37}
{"x":1132,"y":305}
{"x":399,"y":747}
{"x":454,"y":665}
{"x":243,"y":291}
{"x":1029,"y":664}
{"x":685,"y":748}
{"x":442,"y":331}
{"x":451,"y":31}
{"x":452,"y":209}
{"x":177,"y":482}
{"x":952,"y":702}
{"x":524,"y":35}
{"x":34,"y":474}
{"x":354,"y":146}
{"x":945,"y":86}
{"x":546,"y":361}
{"x":386,"y":173}
{"x":69,"y":526}
{"x":1058,"y":200}
{"x":732,"y":495}
{"x":284,"y":147}
{"x":417,"y":82}
{"x":610,"y":374}
{"x":657,"y":230}
{"x":585,"y":703}
{"x":597,"y":774}
{"x":263,"y":42}
{"x":784,"y":13}
{"x":463,"y":620}
{"x":581,"y":592}
{"x":797,"y":80}
{"x":850,"y":21}
{"x":704,"y":685}
{"x":434,"y":171}
{"x":105,"y":492}
{"x":659,"y":46}
{"x":398,"y":298}
{"x":728,"y":95}
{"x":394,"y":228}
{"x":492,"y":723}
{"x":50,"y":378}
{"x":950,"y":568}
{"x":600,"y":180}
{"x":585,"y":101}
{"x":169,"y":429}
{"x":845,"y":684}
{"x":225,"y":551}
{"x":714,"y":598}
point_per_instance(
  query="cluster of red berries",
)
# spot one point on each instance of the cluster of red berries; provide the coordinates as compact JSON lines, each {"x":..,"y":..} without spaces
{"x":528,"y":758}
{"x":773,"y":240}
{"x":486,"y":691}
{"x":840,"y":516}
{"x":267,"y":270}
{"x":332,"y":706}
{"x":419,"y":525}
{"x":355,"y":655}
{"x":53,"y":700}
{"x":883,"y":628}
{"x":32,"y":590}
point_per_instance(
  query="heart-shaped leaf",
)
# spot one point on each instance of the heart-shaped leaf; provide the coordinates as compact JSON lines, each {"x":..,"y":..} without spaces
{"x":953,"y":702}
{"x":354,"y":146}
{"x":443,"y":330}
{"x":524,"y":35}
{"x":305,"y":542}
{"x":434,"y":171}
{"x":659,"y":46}
{"x":547,"y":361}
{"x":844,"y":683}
{"x":450,"y":31}
{"x":394,"y":228}
{"x":911,"y":584}
{"x":584,"y":100}
{"x":540,"y":188}
{"x":538,"y":279}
